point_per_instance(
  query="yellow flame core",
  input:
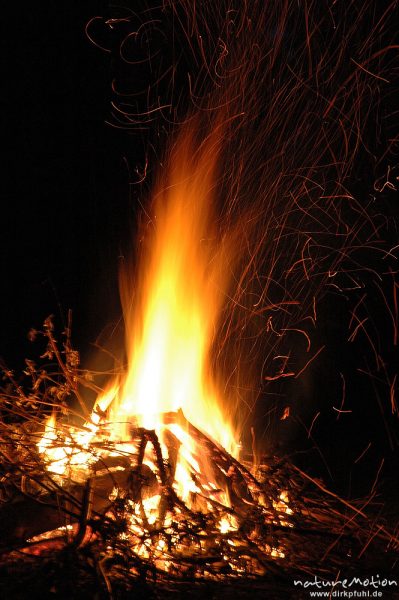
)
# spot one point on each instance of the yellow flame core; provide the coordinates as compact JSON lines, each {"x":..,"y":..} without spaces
{"x":170,"y":331}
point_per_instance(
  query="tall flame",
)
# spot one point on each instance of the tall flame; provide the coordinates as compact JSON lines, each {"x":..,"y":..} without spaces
{"x":171,"y":315}
{"x":170,"y":323}
{"x":170,"y":327}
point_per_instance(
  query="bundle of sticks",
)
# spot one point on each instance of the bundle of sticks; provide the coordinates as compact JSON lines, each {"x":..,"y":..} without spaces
{"x":39,"y":513}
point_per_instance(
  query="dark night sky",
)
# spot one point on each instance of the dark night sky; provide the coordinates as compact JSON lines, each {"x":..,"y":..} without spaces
{"x":64,"y":193}
{"x":65,"y":201}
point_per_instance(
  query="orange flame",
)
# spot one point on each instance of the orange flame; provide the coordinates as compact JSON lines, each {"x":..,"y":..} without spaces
{"x":170,"y":330}
{"x":170,"y":319}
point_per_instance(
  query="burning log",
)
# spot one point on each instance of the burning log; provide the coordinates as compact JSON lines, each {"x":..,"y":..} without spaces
{"x":224,"y":461}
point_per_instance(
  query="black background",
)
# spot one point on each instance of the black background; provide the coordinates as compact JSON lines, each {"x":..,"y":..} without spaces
{"x":64,"y":194}
{"x":67,"y":215}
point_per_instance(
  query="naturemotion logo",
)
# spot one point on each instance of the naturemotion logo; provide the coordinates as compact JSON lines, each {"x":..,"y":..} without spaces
{"x":354,"y":587}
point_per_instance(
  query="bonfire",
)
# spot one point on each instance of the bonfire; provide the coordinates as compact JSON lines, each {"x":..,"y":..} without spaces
{"x":137,"y":480}
{"x":152,"y":481}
